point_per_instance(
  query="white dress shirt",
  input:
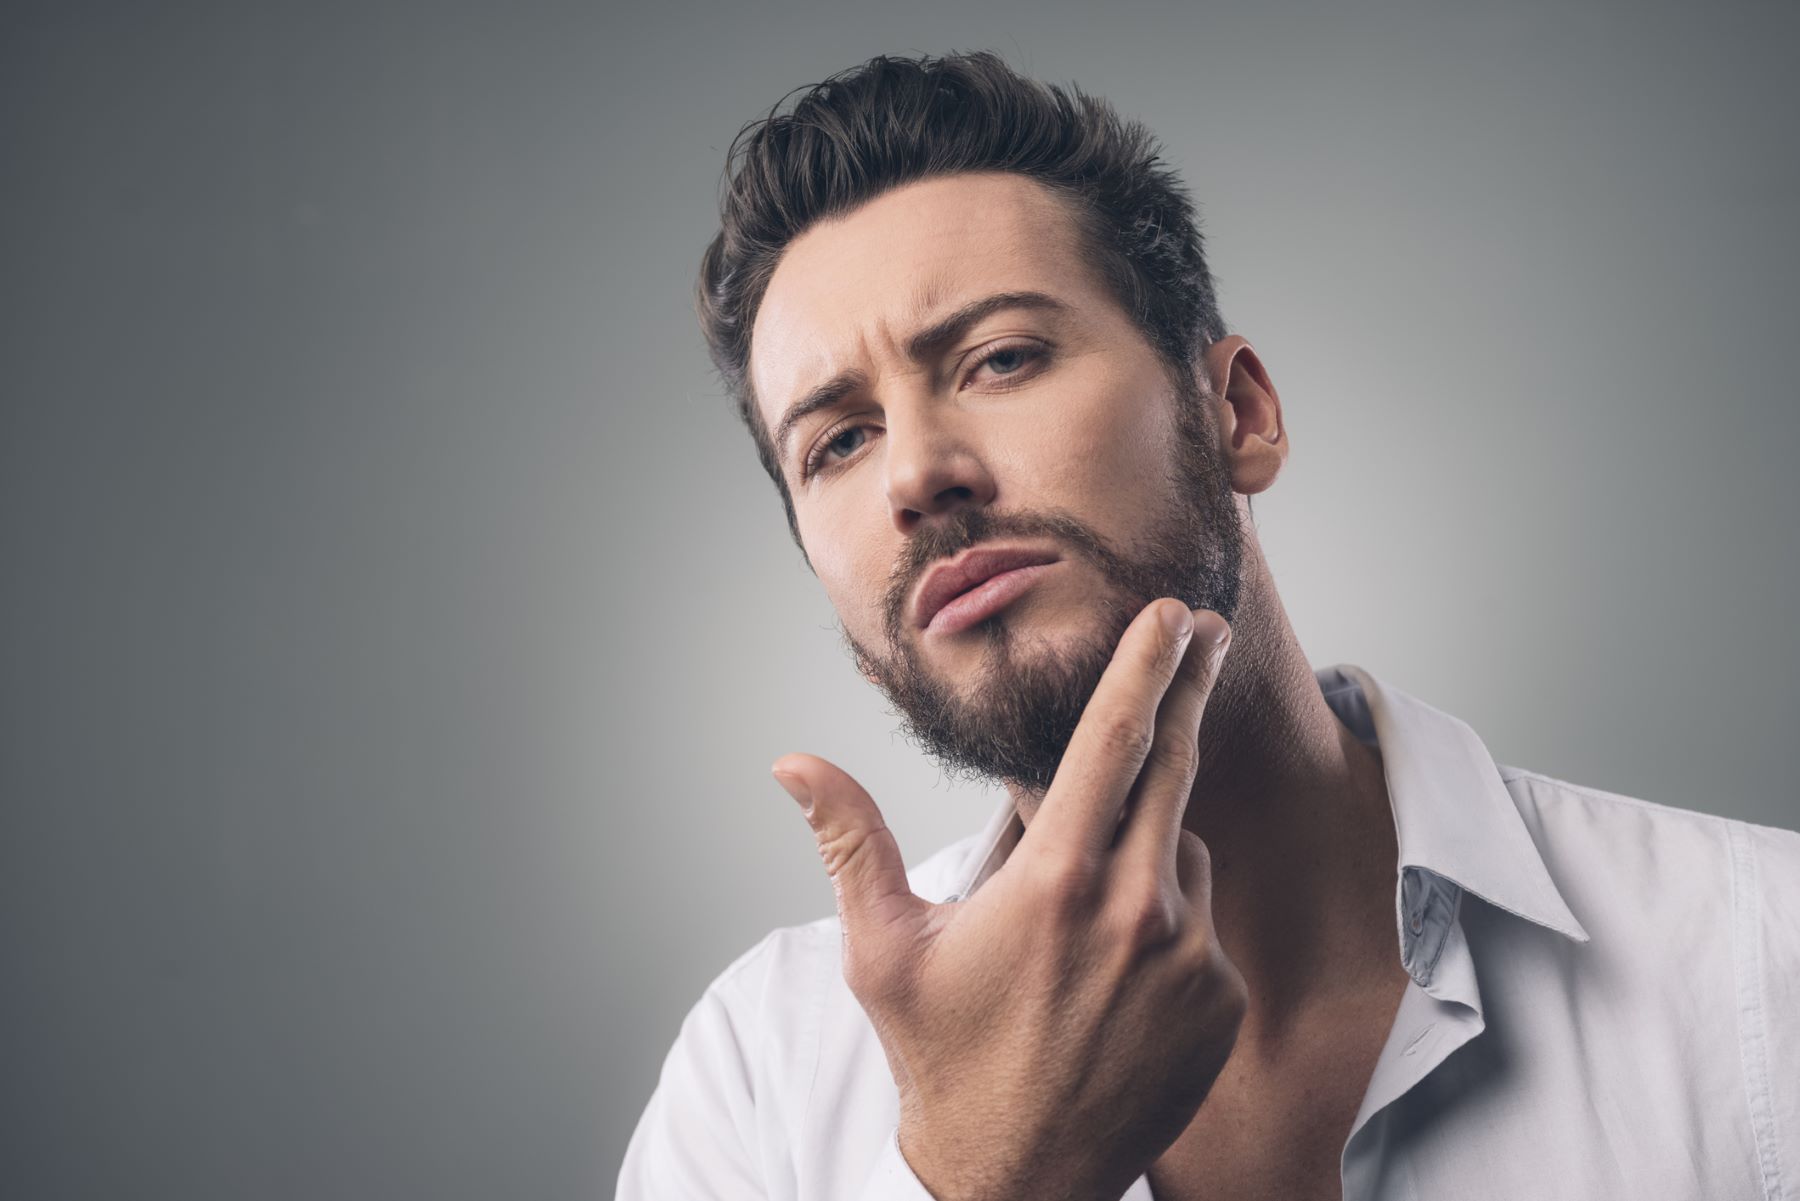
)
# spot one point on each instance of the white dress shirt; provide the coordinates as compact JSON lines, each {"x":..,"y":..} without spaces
{"x":1604,"y":1003}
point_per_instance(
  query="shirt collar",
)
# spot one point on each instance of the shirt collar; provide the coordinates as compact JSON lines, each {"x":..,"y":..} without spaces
{"x":1454,"y":820}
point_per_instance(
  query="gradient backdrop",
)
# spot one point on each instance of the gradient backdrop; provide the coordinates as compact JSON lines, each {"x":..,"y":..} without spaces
{"x":398,"y":628}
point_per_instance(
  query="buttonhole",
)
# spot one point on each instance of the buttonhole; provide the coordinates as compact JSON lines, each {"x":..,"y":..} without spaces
{"x":1418,"y":1038}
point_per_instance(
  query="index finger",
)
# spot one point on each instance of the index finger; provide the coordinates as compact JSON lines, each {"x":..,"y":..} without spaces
{"x":1080,"y":811}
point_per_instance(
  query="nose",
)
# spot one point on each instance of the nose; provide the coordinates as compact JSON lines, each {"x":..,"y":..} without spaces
{"x":933,"y":468}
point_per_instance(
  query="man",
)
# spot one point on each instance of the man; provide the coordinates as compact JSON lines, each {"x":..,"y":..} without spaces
{"x":1242,"y":929}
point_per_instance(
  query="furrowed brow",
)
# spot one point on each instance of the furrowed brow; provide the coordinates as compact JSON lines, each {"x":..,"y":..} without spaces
{"x":934,"y":337}
{"x":824,"y":396}
{"x":921,"y":346}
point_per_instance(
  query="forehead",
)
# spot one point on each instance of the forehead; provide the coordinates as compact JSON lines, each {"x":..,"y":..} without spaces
{"x":857,"y":285}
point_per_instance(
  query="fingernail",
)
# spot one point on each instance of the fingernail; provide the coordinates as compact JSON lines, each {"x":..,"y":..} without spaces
{"x":796,"y":788}
{"x":1217,"y":632}
{"x":1177,"y":620}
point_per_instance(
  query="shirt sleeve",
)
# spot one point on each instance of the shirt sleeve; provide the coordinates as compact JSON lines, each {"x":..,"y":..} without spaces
{"x":716,"y":1128}
{"x":696,"y":1138}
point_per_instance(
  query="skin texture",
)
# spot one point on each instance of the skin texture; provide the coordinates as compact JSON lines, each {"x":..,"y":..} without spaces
{"x":1138,"y":479}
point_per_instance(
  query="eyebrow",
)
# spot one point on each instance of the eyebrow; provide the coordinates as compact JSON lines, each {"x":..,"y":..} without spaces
{"x":921,"y":346}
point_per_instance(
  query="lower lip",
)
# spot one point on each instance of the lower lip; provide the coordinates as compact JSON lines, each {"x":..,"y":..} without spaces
{"x":985,"y":599}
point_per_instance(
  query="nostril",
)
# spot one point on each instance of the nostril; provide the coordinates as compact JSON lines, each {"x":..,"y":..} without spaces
{"x":960,"y":491}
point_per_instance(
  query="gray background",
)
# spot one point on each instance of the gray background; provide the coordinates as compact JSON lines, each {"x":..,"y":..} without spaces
{"x":398,"y":629}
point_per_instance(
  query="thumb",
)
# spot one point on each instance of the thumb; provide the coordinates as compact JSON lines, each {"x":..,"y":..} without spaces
{"x":860,"y":854}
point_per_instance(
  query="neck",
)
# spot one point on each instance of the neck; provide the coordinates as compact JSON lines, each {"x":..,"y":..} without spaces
{"x":1294,"y":812}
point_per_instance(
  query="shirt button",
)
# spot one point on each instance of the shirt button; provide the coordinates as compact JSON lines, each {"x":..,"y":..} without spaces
{"x":1417,"y":925}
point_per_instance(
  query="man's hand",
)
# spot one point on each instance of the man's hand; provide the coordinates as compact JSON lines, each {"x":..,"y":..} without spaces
{"x":1054,"y":1033}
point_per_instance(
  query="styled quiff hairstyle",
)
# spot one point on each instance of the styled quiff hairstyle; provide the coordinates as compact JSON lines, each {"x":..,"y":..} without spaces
{"x":892,"y":121}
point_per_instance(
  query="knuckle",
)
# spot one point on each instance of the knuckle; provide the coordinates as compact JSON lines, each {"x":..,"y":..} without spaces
{"x":1169,"y":654}
{"x":844,"y":848}
{"x":1230,"y":996}
{"x":1150,"y":918}
{"x":1200,"y":951}
{"x":1125,"y":736}
{"x":1175,"y":757}
{"x":1220,"y":991}
{"x":1193,"y":862}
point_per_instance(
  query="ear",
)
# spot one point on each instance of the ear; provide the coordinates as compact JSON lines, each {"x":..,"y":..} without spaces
{"x":1251,"y":434}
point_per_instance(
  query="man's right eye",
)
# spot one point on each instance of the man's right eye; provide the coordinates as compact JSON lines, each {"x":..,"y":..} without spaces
{"x":816,"y":460}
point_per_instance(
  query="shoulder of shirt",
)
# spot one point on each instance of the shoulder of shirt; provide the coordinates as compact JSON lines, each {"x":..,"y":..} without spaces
{"x":1775,"y":850}
{"x":1662,"y":888}
{"x":791,"y":957}
{"x":1670,"y":815}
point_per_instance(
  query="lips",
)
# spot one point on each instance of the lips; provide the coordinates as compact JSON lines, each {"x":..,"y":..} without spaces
{"x":950,"y":580}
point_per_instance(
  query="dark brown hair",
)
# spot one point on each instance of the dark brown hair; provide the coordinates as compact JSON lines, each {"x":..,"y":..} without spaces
{"x":892,"y":121}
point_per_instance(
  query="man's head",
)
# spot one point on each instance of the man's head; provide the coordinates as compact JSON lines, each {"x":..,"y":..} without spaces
{"x":894,"y":120}
{"x":957,"y":307}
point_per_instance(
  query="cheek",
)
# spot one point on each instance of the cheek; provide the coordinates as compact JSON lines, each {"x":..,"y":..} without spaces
{"x":1102,"y":448}
{"x":853,"y":572}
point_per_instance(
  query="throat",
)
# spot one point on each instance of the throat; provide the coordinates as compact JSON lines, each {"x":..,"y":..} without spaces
{"x":1303,"y":889}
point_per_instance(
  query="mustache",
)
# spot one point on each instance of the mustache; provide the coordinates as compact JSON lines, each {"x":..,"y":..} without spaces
{"x":969,"y":526}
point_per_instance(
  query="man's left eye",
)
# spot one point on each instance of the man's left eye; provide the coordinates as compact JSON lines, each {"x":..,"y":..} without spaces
{"x":1008,"y":360}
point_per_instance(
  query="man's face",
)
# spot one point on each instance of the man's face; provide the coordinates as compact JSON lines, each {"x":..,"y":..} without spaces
{"x":1050,"y":424}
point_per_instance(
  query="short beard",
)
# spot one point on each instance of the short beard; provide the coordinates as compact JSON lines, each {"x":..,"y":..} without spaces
{"x":1014,"y":720}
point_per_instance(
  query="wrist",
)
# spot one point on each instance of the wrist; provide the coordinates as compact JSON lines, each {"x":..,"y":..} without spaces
{"x":968,"y":1178}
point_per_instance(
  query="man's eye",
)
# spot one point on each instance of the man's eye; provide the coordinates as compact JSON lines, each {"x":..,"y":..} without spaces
{"x":816,"y":459}
{"x":1007,"y":361}
{"x":836,"y":439}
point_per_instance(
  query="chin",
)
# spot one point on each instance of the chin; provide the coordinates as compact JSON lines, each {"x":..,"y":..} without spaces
{"x":1040,"y":640}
